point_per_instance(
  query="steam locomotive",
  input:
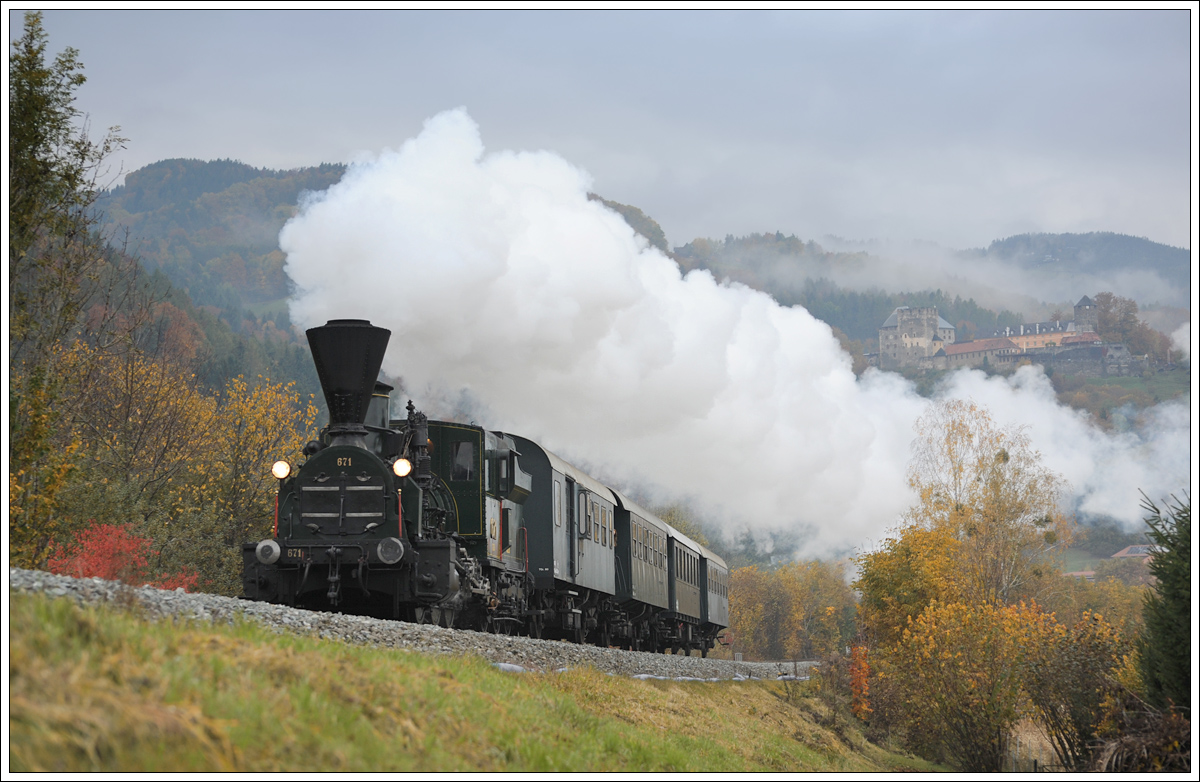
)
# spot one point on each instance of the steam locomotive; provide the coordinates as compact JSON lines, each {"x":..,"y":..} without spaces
{"x":456,"y":525}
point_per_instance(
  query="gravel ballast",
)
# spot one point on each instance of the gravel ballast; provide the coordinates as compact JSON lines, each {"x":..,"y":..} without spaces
{"x":507,"y":652}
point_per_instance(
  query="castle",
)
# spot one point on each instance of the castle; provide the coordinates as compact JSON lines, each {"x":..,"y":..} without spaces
{"x":910,"y":334}
{"x":917,"y":337}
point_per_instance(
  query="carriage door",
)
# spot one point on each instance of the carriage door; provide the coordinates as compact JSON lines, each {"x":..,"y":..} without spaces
{"x":573,"y":557}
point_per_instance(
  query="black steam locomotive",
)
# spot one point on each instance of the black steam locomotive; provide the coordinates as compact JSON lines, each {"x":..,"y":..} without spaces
{"x":446,"y":523}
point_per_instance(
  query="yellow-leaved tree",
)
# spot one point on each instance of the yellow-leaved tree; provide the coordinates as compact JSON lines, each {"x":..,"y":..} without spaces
{"x":986,"y":488}
{"x":952,"y":603}
{"x":959,"y":668}
{"x":226,"y":496}
{"x":798,"y":611}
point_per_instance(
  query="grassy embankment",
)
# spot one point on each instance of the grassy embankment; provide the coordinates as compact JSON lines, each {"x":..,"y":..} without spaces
{"x":101,"y":689}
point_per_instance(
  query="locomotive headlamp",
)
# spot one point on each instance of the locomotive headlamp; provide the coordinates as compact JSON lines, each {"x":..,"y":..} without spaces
{"x":281,"y":470}
{"x":267,"y":551}
{"x":390,"y":550}
{"x":402,"y":467}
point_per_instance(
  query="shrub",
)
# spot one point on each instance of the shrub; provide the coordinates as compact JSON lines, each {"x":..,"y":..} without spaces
{"x":111,"y":552}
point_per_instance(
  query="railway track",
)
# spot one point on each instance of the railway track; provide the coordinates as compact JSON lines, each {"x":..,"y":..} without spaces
{"x":510,"y":653}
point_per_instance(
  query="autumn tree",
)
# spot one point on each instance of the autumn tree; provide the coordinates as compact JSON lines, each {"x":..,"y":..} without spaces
{"x":1118,"y":321}
{"x":987,"y":488}
{"x":110,"y":427}
{"x":961,"y":648}
{"x":753,"y":613}
{"x":1068,"y":676}
{"x":986,"y":526}
{"x":897,"y":580}
{"x":959,"y":667}
{"x":1118,"y":602}
{"x":679,"y":517}
{"x":798,"y":611}
{"x":226,"y":494}
{"x":65,"y":282}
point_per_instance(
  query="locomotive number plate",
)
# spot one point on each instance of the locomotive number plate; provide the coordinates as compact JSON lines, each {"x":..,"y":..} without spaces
{"x":297,"y":553}
{"x":344,"y":461}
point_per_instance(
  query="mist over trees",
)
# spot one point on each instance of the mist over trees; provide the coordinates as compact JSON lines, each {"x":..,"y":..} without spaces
{"x":1091,"y":252}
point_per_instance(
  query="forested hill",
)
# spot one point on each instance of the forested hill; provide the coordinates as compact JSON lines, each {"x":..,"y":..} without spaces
{"x":213,"y":228}
{"x":1092,"y":253}
{"x":768,"y":262}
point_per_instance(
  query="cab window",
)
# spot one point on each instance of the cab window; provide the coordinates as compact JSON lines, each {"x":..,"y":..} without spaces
{"x":462,"y":461}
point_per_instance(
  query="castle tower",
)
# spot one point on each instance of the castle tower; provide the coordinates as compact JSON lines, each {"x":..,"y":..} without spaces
{"x":910,"y":334}
{"x":1087,"y":317}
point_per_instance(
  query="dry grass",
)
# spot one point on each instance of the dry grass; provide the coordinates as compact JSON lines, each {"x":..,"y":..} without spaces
{"x":1029,"y":742}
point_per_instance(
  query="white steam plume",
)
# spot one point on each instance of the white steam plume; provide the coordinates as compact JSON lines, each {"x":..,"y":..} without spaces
{"x":1181,"y":340}
{"x":507,"y":290}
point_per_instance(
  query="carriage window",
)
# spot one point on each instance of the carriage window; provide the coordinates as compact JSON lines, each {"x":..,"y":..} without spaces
{"x":463,"y":456}
{"x":558,"y":503}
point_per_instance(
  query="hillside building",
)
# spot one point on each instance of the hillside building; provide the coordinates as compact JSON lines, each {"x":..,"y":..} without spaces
{"x":996,"y":352}
{"x":1052,"y":333}
{"x":918,"y":337}
{"x":910,"y":334}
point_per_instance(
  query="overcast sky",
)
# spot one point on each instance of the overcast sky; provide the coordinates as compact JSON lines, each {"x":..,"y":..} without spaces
{"x":956,"y":128}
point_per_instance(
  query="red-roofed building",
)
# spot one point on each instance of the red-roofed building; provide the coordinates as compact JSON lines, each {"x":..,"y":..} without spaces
{"x":993,"y":352}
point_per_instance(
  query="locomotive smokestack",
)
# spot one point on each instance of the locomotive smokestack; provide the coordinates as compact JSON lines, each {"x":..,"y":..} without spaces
{"x":348,"y":354}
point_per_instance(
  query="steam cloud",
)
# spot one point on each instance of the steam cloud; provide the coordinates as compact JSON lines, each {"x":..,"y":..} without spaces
{"x":1181,"y":339}
{"x":514,"y":298}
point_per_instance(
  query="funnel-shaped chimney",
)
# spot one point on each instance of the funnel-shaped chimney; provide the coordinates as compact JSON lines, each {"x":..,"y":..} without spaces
{"x":348,"y":354}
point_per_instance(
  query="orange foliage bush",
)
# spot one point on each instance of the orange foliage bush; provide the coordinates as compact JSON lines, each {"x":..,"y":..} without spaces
{"x":860,"y":674}
{"x":111,"y":552}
